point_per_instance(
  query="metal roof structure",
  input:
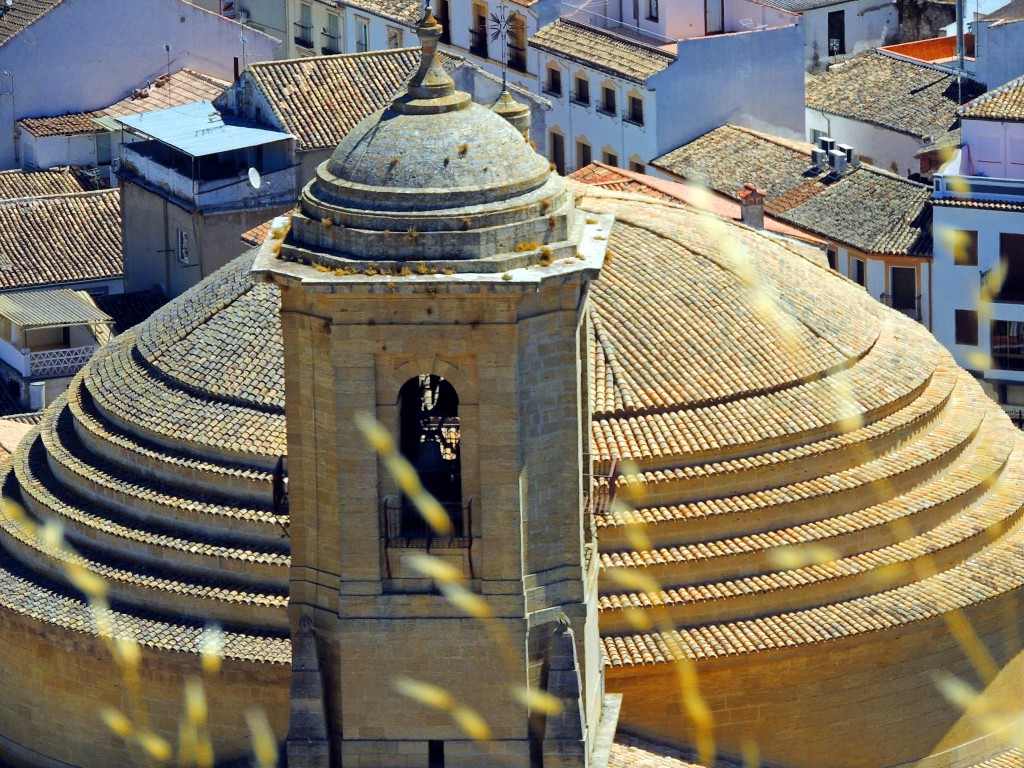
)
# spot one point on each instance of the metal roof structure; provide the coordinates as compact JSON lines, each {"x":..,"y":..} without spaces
{"x":48,"y":309}
{"x":198,"y":130}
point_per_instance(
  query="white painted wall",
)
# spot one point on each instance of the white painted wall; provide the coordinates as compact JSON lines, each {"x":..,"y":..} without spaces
{"x":999,"y":52}
{"x":603,"y":132}
{"x":958,"y":287}
{"x":993,"y":148}
{"x":52,"y":151}
{"x":883,"y":148}
{"x":96,"y":51}
{"x":869,"y":23}
{"x":753,"y":79}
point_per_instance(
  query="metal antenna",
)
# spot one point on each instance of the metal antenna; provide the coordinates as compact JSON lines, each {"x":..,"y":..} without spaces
{"x":501,"y":28}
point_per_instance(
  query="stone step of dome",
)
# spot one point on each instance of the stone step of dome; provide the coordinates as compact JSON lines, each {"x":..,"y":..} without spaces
{"x":138,"y":454}
{"x":29,"y":594}
{"x":158,"y":589}
{"x":947,"y":544}
{"x":149,"y":544}
{"x":775,"y":418}
{"x":819,"y":498}
{"x":758,"y":470}
{"x":862,"y":530}
{"x":993,"y":571}
{"x":132,"y":398}
{"x":148,"y":499}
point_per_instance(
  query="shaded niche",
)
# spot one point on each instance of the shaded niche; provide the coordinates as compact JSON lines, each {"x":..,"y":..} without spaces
{"x":429,"y":437}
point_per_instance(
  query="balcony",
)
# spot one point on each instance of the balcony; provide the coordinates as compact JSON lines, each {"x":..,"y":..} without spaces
{"x":606,"y":109}
{"x":633,"y":118}
{"x":331,"y":44}
{"x":304,"y":34}
{"x":908,"y":305}
{"x":588,"y":16}
{"x":478,"y":42}
{"x":517,"y":58}
{"x":402,"y":526}
{"x":977,"y":188}
{"x":46,"y":363}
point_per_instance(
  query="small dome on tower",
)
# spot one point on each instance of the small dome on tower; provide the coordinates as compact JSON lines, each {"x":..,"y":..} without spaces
{"x":462,"y":179}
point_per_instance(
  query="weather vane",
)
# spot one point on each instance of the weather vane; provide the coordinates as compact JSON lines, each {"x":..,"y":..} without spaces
{"x":501,"y":28}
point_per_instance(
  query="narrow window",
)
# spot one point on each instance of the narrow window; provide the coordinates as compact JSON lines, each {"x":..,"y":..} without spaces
{"x":304,"y":26}
{"x":610,"y":158}
{"x":636,"y":167}
{"x":833,"y":257}
{"x":581,"y":95}
{"x":857,"y":271}
{"x":607,"y":105}
{"x":965,"y":247}
{"x":1011,"y":256}
{"x":584,"y":156}
{"x":429,"y":438}
{"x":557,"y":144}
{"x":836,"y":33}
{"x":636,"y":110}
{"x":1008,"y":345}
{"x":478,"y":32}
{"x":362,"y":35}
{"x":652,"y":10}
{"x":554,"y":84}
{"x":517,"y":42}
{"x":967,"y":327}
{"x":394,"y":37}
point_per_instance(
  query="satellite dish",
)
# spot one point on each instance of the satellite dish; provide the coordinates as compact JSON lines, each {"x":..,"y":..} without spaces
{"x":254,"y":178}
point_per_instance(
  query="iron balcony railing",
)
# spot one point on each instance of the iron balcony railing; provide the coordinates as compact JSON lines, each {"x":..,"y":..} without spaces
{"x":908,"y":305}
{"x":402,"y":525}
{"x":478,"y":42}
{"x":331,"y":43}
{"x":303,"y":34}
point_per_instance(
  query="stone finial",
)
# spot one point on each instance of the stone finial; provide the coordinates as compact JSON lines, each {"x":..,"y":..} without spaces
{"x":430,"y":80}
{"x":516,"y":113}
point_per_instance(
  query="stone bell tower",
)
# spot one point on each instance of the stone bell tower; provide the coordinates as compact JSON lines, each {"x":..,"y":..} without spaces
{"x":436,"y":277}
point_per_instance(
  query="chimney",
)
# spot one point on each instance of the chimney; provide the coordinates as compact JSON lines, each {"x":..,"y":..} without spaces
{"x":37,"y":395}
{"x":752,"y":206}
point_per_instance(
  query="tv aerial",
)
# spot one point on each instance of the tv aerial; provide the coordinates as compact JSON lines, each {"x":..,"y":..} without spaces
{"x":254,"y":178}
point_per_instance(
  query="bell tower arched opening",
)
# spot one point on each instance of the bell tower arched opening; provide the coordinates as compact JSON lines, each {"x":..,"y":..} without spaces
{"x":429,"y":437}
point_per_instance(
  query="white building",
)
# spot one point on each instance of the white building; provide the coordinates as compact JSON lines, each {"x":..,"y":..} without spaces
{"x":887,"y":106}
{"x":979,"y":243}
{"x":81,"y":55}
{"x":626,"y":90}
{"x":839,"y":27}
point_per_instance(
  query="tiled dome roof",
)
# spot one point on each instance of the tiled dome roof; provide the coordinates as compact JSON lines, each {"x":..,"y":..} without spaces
{"x":752,"y":398}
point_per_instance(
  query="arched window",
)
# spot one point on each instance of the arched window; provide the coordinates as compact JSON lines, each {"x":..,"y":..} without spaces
{"x":429,"y":436}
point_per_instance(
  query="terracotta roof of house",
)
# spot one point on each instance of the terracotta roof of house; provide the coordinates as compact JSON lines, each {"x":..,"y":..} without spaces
{"x":867,"y":208}
{"x":1003,"y":103}
{"x":56,"y":181}
{"x":890,"y":92}
{"x":320,"y":99}
{"x":21,"y":14}
{"x":60,"y":239}
{"x":620,"y":180}
{"x":257,"y":234}
{"x":407,"y":12}
{"x":1012,"y":11}
{"x":183,"y":87}
{"x":11,"y":433}
{"x":600,"y":50}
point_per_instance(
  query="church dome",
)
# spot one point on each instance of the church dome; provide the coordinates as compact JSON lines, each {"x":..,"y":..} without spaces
{"x":752,"y":401}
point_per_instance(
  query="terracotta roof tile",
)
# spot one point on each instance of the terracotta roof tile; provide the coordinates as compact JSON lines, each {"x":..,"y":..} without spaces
{"x":867,"y":208}
{"x":80,"y":235}
{"x":56,"y":181}
{"x":183,"y":87}
{"x":1003,"y":103}
{"x":601,"y":51}
{"x":891,"y":92}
